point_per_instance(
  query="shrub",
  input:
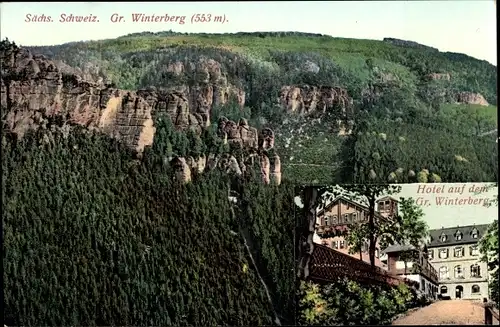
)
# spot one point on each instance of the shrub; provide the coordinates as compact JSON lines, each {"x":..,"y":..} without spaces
{"x":346,"y":302}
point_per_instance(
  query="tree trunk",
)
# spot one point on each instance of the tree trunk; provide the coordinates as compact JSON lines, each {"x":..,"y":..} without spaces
{"x":361,"y":254}
{"x":306,"y":234}
{"x":371,"y":224}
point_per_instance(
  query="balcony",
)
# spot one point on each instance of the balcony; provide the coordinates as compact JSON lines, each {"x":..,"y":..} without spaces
{"x":330,"y":230}
{"x":426,"y":270}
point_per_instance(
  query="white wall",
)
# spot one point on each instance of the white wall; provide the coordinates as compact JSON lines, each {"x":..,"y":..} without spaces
{"x":421,"y":280}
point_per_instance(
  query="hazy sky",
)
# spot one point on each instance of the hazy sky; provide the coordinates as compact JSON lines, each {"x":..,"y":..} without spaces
{"x":443,"y":215}
{"x":458,"y":26}
{"x":451,"y":215}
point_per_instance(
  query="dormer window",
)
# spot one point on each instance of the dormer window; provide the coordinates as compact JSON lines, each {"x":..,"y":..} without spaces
{"x":458,"y":235}
{"x":443,"y":237}
{"x":475,"y":233}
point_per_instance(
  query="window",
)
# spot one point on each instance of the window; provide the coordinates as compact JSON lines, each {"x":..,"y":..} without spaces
{"x":443,"y":253}
{"x":423,"y":285}
{"x":326,"y":220}
{"x":354,"y":217}
{"x":444,"y":289}
{"x":475,"y":289}
{"x":475,"y":233}
{"x":459,"y":252}
{"x":335,"y":244}
{"x":459,"y":273}
{"x":431,"y":254}
{"x":386,"y":205}
{"x":458,"y":235}
{"x":443,"y":237}
{"x":377,"y":253}
{"x":474,"y":250}
{"x":342,"y":244}
{"x":475,"y":270}
{"x":345,"y":219}
{"x":443,"y":272}
{"x":335,"y":220}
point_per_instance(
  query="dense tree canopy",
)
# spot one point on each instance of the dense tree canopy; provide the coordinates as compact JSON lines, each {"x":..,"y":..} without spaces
{"x":93,"y":236}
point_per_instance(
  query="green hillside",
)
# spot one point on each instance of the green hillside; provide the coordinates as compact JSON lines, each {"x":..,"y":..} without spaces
{"x":395,"y":78}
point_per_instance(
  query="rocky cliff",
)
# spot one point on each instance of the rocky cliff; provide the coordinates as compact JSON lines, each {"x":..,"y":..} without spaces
{"x":471,"y":98}
{"x":33,"y":87}
{"x":319,"y":100}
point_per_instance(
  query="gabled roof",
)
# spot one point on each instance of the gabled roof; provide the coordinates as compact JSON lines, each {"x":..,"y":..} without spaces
{"x":387,"y":197}
{"x":351,"y":202}
{"x":450,"y":233}
{"x":343,"y":198}
{"x":398,"y":248}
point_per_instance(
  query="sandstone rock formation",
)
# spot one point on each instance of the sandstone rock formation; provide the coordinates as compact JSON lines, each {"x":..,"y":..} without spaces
{"x":214,"y":88}
{"x":439,"y":76}
{"x":239,"y":135}
{"x":310,"y":99}
{"x":33,"y":87}
{"x":471,"y":98}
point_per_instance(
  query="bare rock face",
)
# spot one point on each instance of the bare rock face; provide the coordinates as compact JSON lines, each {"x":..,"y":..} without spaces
{"x":275,"y":170}
{"x":182,"y":170}
{"x":471,"y":98}
{"x":212,"y":86}
{"x":266,"y":139}
{"x":309,"y":99}
{"x":439,"y":76}
{"x":265,"y":169}
{"x":33,"y":87}
{"x":254,"y":151}
{"x":239,"y":135}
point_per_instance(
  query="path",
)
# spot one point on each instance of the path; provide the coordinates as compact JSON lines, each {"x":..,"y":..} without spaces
{"x":451,"y":312}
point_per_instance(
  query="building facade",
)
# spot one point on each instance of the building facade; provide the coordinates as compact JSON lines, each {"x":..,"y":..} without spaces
{"x":454,"y":253}
{"x":336,"y":217}
{"x":411,"y":263}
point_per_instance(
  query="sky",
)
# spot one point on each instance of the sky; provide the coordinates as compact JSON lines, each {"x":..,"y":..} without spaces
{"x":458,"y":26}
{"x":450,"y":215}
{"x":438,"y":216}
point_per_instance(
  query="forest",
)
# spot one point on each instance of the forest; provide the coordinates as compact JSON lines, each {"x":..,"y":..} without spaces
{"x":405,"y":122}
{"x":93,"y":236}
